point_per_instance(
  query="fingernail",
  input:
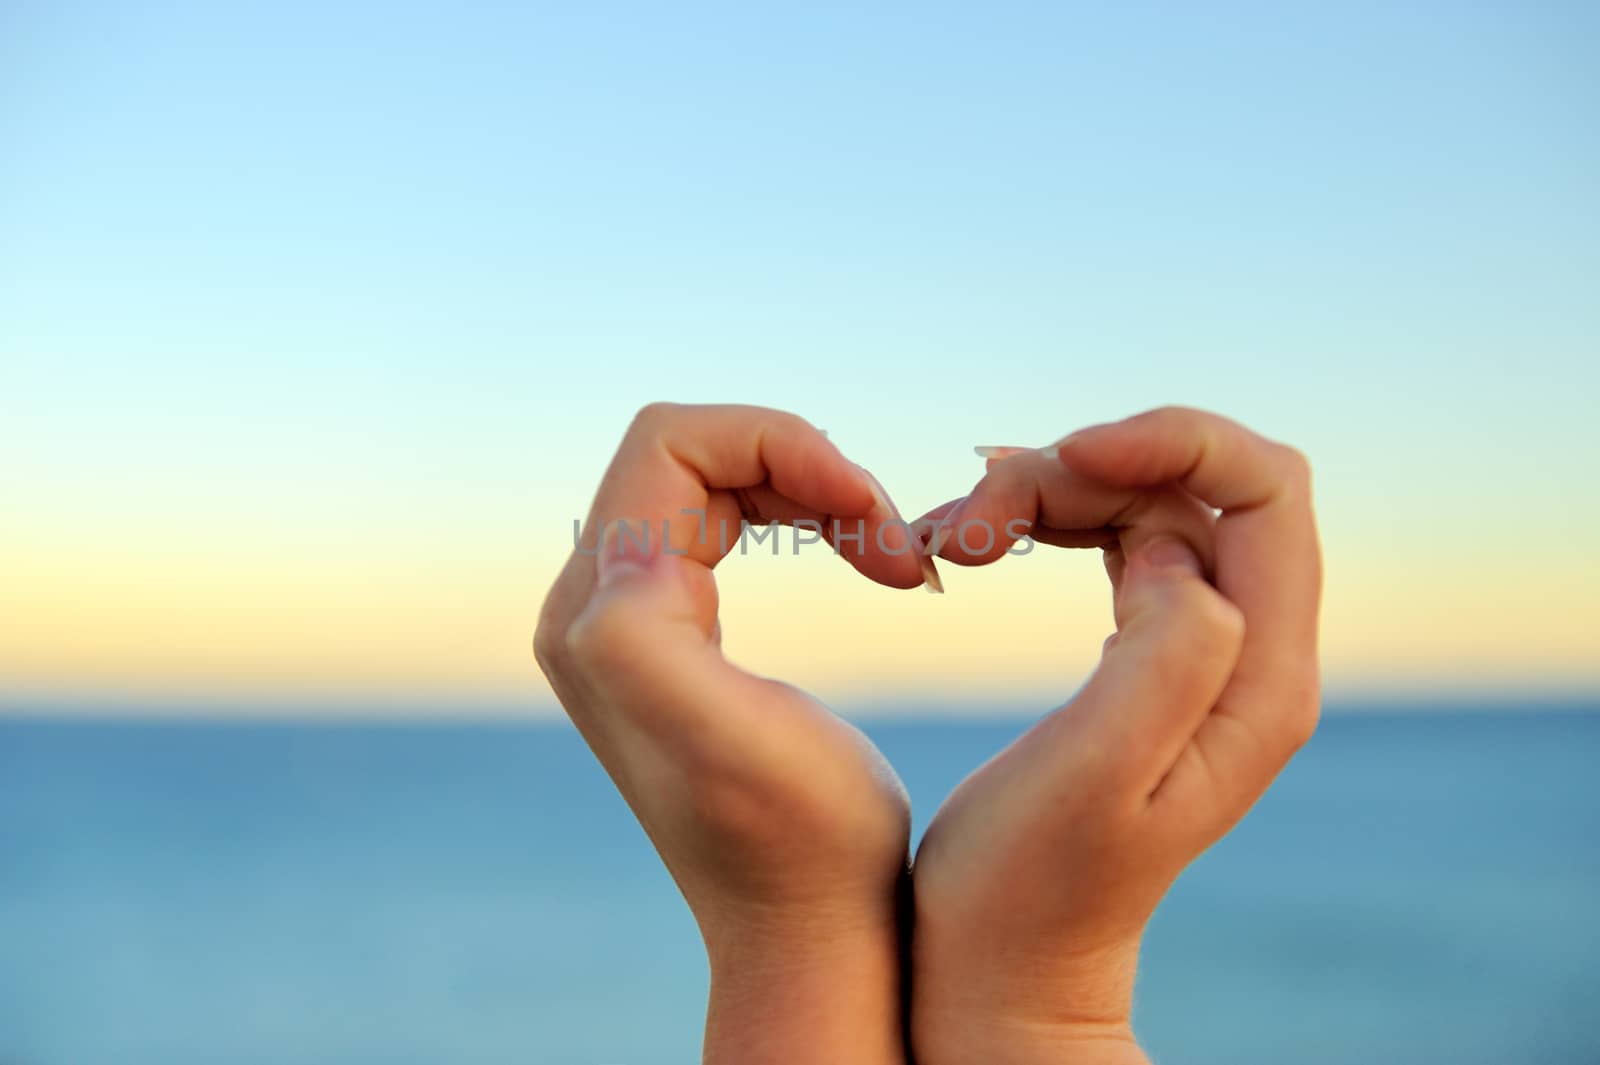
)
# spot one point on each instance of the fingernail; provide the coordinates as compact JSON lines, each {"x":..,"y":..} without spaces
{"x":930,"y":573}
{"x":1169,"y":552}
{"x":1005,"y":451}
{"x":624,"y":551}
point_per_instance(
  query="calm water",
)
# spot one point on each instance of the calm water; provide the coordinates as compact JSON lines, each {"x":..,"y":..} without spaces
{"x":1419,"y":888}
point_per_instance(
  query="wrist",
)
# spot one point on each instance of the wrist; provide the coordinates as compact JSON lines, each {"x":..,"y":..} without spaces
{"x":804,"y":990}
{"x":976,"y":998}
{"x":1002,"y":1041}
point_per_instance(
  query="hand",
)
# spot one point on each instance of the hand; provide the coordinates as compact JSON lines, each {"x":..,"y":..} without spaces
{"x":1036,"y":878}
{"x":783,"y":826}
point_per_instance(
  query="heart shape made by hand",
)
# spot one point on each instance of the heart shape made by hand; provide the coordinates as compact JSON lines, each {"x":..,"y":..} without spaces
{"x":782,"y":823}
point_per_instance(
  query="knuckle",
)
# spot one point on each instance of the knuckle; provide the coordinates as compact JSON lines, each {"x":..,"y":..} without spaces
{"x":600,"y":635}
{"x":811,"y":445}
{"x":1222,"y":623}
{"x":548,"y":648}
{"x":1303,"y":715}
{"x":1295,"y":465}
{"x":1176,"y":416}
{"x":788,"y":422}
{"x":549,"y":640}
{"x":1165,"y":417}
{"x":650,"y":417}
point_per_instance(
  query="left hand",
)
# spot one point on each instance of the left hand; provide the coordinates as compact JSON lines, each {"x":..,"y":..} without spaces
{"x":783,"y":826}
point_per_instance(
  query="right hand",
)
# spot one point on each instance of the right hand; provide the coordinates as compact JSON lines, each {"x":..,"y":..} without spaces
{"x":1036,"y":878}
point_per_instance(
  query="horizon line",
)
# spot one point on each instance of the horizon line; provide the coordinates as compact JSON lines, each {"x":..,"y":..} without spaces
{"x":535,"y":711}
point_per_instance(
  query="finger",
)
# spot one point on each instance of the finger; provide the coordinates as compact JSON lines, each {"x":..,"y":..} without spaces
{"x":1116,"y":562}
{"x":1268,"y":564}
{"x":866,"y":546}
{"x":1073,"y":538}
{"x":1159,"y":514}
{"x":1177,"y":642}
{"x":673,"y":455}
{"x":676,"y":458}
{"x":678,"y":472}
{"x":993,"y":455}
{"x":1009,"y":500}
{"x":645,"y":648}
{"x":1030,"y":493}
{"x":930,"y":525}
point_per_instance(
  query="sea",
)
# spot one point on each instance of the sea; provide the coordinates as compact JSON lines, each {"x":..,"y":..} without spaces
{"x":1421,"y":886}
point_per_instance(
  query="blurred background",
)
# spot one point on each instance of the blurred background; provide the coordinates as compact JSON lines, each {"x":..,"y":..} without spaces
{"x":319,"y":322}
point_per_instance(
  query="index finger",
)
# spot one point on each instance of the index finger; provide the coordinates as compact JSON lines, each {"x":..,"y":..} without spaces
{"x":690,"y":471}
{"x":1029,"y":493}
{"x":673,"y":455}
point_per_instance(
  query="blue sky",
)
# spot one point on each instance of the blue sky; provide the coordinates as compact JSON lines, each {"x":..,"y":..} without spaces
{"x":321,"y":280}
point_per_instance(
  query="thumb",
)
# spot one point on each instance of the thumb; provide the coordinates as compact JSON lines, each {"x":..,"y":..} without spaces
{"x":1178,"y":641}
{"x":651,"y":613}
{"x":647,"y":578}
{"x":647,"y":651}
{"x":1159,"y":571}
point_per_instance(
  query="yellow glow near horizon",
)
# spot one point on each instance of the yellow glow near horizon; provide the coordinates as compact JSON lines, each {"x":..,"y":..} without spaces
{"x":396,"y":629}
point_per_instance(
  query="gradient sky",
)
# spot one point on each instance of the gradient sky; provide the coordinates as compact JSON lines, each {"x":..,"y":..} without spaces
{"x":319,"y":322}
